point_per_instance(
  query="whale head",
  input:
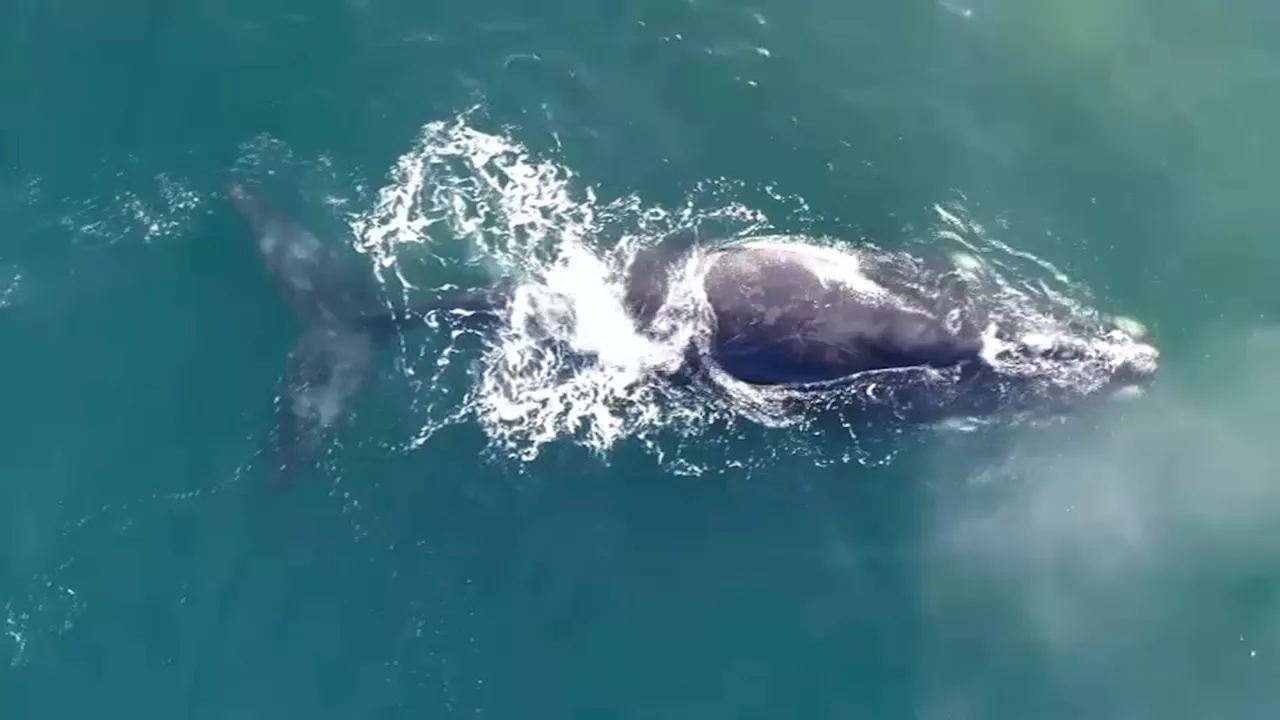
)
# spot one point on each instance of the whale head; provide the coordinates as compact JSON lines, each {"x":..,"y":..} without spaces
{"x":1068,"y":367}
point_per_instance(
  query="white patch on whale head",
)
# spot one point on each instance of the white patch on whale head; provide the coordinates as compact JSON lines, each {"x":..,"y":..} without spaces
{"x":1128,"y":392}
{"x":1038,"y":342}
{"x":1131,"y":327}
{"x":967,"y":263}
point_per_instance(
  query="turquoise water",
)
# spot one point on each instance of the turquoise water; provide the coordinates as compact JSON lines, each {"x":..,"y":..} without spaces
{"x":453,"y":563}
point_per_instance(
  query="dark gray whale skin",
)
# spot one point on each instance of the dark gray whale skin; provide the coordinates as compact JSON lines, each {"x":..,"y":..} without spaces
{"x":778,"y":323}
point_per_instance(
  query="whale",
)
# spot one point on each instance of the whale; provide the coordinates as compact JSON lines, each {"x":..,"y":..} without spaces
{"x":873,"y":333}
{"x":341,"y":321}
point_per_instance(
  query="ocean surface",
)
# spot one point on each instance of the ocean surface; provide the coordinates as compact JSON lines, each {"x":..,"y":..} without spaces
{"x":516,"y":540}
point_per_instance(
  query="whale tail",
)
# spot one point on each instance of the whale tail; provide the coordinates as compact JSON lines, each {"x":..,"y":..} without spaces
{"x":342,"y":321}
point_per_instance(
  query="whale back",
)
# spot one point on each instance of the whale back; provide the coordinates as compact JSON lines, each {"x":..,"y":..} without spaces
{"x":790,"y":316}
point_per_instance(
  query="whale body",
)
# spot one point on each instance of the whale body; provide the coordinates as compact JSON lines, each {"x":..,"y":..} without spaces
{"x":790,"y":317}
{"x":806,"y":318}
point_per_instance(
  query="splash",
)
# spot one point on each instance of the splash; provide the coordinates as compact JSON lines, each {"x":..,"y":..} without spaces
{"x":463,"y":197}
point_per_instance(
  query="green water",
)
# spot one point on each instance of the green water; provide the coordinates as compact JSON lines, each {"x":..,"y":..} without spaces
{"x":1124,"y":569}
